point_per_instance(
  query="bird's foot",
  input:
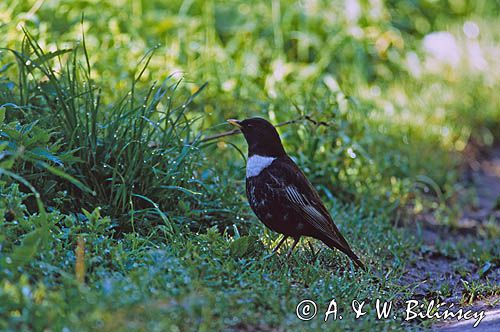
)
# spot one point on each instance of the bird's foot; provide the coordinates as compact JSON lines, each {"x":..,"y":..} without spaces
{"x":314,"y":254}
{"x":296,"y":240}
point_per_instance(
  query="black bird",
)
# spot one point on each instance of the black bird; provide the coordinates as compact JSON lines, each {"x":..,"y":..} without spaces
{"x":280,"y":194}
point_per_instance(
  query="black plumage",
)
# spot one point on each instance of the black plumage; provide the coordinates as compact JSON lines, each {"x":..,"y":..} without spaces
{"x":280,"y":194}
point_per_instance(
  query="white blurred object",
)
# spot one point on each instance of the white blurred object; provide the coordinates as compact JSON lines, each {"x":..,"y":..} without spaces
{"x":474,"y":51}
{"x":443,"y":47}
{"x":331,"y":83}
{"x":476,"y":58}
{"x":280,"y":70}
{"x":352,"y":10}
{"x":413,"y":64}
{"x":376,"y":9}
{"x":471,"y":30}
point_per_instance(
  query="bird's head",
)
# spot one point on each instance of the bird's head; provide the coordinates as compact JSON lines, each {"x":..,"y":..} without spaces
{"x":261,"y":136}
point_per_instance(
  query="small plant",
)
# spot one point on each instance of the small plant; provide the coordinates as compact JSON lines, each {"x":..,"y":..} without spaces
{"x":134,"y":154}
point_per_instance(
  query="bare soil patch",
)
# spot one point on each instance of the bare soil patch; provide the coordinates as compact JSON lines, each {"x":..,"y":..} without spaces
{"x":431,"y":274}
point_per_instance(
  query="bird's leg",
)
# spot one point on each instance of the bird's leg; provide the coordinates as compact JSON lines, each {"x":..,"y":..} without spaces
{"x":315,"y":255}
{"x":280,"y":243}
{"x":296,"y":240}
{"x":276,"y":248}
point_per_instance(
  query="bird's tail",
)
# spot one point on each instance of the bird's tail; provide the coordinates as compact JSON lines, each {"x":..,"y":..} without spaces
{"x":344,"y":247}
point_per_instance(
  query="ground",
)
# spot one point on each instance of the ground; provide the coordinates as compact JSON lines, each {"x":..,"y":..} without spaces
{"x":434,"y":271}
{"x":122,"y":207}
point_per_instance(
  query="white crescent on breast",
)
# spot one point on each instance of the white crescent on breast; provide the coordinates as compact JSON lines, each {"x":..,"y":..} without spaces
{"x":256,"y":164}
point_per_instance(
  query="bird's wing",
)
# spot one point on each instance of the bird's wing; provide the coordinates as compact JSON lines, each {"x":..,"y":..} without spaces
{"x":288,"y":181}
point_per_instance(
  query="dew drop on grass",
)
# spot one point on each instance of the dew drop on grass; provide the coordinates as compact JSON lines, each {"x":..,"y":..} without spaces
{"x":28,"y":63}
{"x":8,"y":260}
{"x":26,"y":291}
{"x":351,"y":153}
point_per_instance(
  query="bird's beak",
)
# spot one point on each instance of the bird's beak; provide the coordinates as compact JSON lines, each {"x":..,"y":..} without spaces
{"x":235,"y":122}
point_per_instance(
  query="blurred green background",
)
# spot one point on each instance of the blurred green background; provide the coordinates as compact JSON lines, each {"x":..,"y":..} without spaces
{"x":104,"y":105}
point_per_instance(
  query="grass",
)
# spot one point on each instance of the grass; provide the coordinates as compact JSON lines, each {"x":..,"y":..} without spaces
{"x":102,"y":110}
{"x":188,"y":281}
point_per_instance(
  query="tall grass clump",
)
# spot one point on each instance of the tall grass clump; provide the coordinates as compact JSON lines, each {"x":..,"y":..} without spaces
{"x":133,"y":156}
